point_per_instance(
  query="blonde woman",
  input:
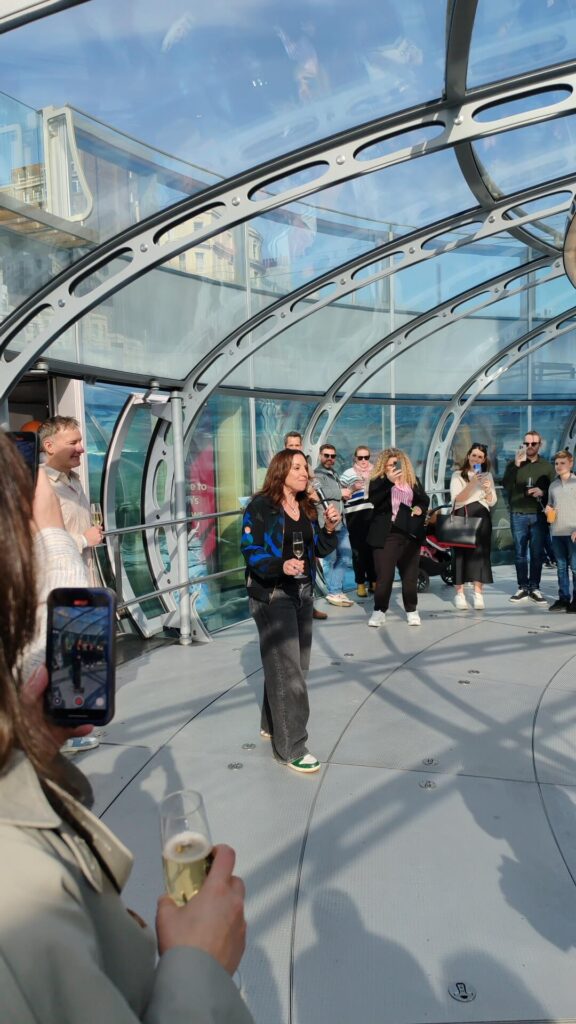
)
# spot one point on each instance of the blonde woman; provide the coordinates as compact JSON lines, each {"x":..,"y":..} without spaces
{"x":393,"y":483}
{"x":473,"y":494}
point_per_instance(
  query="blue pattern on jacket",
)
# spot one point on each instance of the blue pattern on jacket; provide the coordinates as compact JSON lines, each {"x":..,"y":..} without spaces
{"x":262,"y":541}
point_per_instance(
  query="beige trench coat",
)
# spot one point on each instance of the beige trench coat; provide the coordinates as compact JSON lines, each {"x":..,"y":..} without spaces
{"x":70,"y":953}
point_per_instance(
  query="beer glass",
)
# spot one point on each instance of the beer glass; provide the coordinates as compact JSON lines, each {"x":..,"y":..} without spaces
{"x":186,"y":844}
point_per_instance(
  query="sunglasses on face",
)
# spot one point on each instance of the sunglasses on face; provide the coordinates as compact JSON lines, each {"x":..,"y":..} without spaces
{"x":532,"y":444}
{"x":325,"y":455}
{"x":360,"y":457}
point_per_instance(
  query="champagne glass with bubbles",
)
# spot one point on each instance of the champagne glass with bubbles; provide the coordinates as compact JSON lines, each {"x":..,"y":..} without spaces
{"x":298,"y":550}
{"x":96,"y":514}
{"x":186,"y":844}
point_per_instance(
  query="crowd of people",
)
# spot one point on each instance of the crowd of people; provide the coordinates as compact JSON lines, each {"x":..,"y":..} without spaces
{"x":372,"y":517}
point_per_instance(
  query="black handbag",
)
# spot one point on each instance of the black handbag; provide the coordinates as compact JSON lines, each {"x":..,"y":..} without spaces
{"x":459,"y":531}
{"x":412,"y":526}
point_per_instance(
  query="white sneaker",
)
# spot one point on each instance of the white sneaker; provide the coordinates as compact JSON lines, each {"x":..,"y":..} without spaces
{"x":377,"y":619}
{"x":478,"y":600}
{"x":460,"y":602}
{"x":413,"y":619}
{"x":339,"y":600}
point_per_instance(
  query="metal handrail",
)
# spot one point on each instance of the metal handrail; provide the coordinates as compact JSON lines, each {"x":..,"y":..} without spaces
{"x":170,"y":522}
{"x":179,"y":586}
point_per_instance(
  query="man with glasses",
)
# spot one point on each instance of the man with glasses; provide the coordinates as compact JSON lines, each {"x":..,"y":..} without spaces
{"x":326,"y":479}
{"x":526,"y":481}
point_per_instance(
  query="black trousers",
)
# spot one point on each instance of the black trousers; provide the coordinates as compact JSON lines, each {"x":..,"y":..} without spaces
{"x":400,"y":552}
{"x":362,"y":557}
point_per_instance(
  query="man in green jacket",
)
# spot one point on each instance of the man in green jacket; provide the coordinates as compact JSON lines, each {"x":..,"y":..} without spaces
{"x":526,"y":481}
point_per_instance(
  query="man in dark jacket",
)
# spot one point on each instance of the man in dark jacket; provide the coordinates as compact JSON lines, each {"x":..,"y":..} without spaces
{"x":526,"y":480}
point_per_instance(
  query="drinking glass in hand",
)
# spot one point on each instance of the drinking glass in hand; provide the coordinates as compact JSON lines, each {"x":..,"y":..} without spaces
{"x":298,"y":550}
{"x":96,"y":514}
{"x":186,"y":844}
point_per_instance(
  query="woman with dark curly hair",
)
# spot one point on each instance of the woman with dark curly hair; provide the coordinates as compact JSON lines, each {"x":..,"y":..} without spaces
{"x":280,"y":543}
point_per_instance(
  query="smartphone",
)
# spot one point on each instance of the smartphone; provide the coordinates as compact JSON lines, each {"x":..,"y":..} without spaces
{"x":80,"y":655}
{"x":477,"y":467}
{"x":27,"y":444}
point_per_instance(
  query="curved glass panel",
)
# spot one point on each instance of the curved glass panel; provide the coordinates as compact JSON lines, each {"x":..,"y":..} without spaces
{"x":228,"y":85}
{"x":440,"y":364}
{"x":518,"y":159}
{"x":521,"y":105}
{"x":511,"y":36}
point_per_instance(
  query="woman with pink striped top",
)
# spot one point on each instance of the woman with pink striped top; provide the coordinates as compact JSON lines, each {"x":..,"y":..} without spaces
{"x":394,"y":483}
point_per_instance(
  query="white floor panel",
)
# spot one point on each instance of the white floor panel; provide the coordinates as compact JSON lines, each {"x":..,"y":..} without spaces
{"x":406,"y":891}
{"x":475,"y":728}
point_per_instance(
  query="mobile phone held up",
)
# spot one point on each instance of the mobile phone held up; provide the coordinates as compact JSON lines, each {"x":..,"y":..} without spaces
{"x":27,"y":444}
{"x":477,"y":467}
{"x":80,"y":655}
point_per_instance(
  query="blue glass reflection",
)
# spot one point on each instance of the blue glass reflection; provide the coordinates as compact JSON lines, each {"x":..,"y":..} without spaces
{"x":511,"y":36}
{"x":524,"y":157}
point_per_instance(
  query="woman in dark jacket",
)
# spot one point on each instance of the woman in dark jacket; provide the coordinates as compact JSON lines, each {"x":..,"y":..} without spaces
{"x":280,"y":589}
{"x":394,"y":483}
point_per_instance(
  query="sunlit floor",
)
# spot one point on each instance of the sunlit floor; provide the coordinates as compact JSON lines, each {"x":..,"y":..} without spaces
{"x":434,"y":853}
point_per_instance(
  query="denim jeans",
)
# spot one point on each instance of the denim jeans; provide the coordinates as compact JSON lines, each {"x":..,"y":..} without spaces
{"x":336,"y":563}
{"x":529,"y":533}
{"x":285,"y":634}
{"x":565,"y":554}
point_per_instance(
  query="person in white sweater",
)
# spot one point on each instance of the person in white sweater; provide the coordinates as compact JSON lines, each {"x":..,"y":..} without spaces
{"x":473,"y":494}
{"x":561,"y":515}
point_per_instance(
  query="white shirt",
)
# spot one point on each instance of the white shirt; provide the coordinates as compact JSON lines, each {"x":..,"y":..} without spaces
{"x":75,"y":509}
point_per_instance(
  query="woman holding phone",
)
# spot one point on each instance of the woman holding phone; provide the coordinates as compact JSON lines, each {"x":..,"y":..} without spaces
{"x":69,"y":948}
{"x":393,"y":483}
{"x":473,"y":494}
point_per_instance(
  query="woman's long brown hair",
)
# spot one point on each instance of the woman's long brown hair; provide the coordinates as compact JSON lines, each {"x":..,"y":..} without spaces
{"x":17,"y":604}
{"x":273,"y":486}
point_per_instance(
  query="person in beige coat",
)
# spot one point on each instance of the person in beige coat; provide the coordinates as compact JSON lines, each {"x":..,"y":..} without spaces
{"x":69,"y":949}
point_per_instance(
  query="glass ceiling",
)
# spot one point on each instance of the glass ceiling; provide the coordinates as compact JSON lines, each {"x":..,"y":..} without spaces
{"x":427,"y":147}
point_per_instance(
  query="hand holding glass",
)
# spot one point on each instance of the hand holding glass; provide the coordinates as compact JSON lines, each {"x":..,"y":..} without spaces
{"x":186,"y":844}
{"x":96,"y":514}
{"x":298,"y":551}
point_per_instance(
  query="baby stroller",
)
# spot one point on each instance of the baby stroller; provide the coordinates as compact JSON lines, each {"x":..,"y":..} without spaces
{"x":435,"y":556}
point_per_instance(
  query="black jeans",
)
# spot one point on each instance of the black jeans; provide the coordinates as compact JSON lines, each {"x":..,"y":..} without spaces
{"x":399,"y":550}
{"x":285,"y":633}
{"x":362,"y":560}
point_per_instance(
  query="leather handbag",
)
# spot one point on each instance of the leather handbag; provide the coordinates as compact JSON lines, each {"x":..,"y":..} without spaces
{"x":412,"y":526}
{"x":459,"y":531}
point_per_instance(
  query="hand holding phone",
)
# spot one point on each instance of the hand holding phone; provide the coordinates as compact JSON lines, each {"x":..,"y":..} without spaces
{"x":80,"y":656}
{"x":26,"y":442}
{"x":520,"y":455}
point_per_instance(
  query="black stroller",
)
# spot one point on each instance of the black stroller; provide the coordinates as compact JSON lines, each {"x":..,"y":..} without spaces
{"x":435,"y":556}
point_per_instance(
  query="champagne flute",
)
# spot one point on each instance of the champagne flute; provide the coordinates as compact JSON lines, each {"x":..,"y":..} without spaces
{"x":96,"y":514}
{"x":186,"y":844}
{"x":298,"y":550}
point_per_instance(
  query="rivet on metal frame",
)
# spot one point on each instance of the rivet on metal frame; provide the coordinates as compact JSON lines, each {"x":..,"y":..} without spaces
{"x":429,"y":761}
{"x":248,"y":746}
{"x":427,"y":784}
{"x":235,"y":766}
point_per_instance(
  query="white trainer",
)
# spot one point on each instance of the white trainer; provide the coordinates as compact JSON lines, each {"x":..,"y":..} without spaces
{"x":478,"y":600}
{"x":460,"y":602}
{"x":413,"y":619}
{"x":377,"y":619}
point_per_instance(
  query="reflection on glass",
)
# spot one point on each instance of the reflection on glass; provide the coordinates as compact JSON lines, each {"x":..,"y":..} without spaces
{"x":524,"y":157}
{"x":511,"y":36}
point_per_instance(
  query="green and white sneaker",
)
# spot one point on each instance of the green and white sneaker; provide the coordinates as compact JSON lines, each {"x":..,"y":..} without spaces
{"x":307,"y":763}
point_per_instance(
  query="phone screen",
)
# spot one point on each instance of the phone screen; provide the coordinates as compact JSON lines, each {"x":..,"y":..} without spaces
{"x":27,"y":444}
{"x":80,"y":655}
{"x":477,"y":467}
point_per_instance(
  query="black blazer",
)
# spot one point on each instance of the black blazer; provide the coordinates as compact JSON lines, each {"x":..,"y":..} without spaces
{"x":380,"y":494}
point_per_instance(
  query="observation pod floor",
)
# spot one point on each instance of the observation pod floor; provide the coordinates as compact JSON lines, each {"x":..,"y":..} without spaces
{"x":435,"y":848}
